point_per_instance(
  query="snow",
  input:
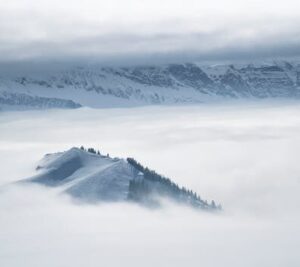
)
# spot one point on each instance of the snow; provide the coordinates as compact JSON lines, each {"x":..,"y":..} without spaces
{"x":85,"y":175}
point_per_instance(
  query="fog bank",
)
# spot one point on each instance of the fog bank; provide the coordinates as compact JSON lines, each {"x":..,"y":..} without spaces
{"x":244,"y":156}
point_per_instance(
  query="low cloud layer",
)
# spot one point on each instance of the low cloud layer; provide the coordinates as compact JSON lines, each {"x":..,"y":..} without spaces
{"x":148,"y":31}
{"x":244,"y":156}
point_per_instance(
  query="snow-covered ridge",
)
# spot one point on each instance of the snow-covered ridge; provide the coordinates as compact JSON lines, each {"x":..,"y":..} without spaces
{"x":10,"y":100}
{"x":161,"y":84}
{"x":91,"y":177}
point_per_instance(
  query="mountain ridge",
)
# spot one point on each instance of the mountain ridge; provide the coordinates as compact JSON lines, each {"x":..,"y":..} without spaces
{"x":88,"y":176}
{"x":97,"y":86}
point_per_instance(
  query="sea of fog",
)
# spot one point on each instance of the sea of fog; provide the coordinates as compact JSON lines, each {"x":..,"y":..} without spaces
{"x":245,"y":157}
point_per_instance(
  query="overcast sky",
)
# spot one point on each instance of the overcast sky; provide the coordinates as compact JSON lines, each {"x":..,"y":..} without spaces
{"x":133,"y":30}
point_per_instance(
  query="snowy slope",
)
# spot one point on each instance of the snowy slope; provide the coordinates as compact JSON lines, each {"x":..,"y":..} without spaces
{"x":85,"y":175}
{"x":91,"y":177}
{"x":97,"y":86}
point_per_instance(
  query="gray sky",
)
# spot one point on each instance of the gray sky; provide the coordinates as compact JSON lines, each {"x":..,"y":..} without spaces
{"x":135,"y":30}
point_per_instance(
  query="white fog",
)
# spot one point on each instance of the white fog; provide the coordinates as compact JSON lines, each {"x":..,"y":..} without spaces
{"x":244,"y":156}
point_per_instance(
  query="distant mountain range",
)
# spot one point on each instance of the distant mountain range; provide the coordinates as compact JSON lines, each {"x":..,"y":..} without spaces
{"x":96,"y":86}
{"x":88,"y":176}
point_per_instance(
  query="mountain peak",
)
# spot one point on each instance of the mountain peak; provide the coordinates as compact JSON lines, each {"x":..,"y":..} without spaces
{"x":88,"y":176}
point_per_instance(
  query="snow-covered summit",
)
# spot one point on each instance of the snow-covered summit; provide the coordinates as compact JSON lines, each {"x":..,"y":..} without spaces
{"x":91,"y":177}
{"x":85,"y":175}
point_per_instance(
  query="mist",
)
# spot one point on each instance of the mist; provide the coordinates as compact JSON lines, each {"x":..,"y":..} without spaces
{"x":244,"y":156}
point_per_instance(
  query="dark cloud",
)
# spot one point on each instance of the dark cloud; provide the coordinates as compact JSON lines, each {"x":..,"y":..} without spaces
{"x":139,"y":49}
{"x":147,"y":33}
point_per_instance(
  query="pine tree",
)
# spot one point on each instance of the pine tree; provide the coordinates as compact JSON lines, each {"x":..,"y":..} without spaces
{"x":92,"y":150}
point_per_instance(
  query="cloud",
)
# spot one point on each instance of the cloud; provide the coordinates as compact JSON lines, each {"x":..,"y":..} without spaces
{"x":143,"y":31}
{"x":244,"y":156}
